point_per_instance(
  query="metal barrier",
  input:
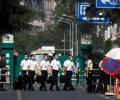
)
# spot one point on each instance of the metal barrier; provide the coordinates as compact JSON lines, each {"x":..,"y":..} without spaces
{"x":82,"y":76}
{"x":98,"y":81}
{"x":5,"y":76}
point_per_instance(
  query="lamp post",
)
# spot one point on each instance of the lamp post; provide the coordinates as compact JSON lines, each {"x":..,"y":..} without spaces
{"x":64,"y":44}
{"x":76,"y":35}
{"x":63,"y":41}
{"x":69,"y":33}
{"x":76,"y":40}
{"x":72,"y":32}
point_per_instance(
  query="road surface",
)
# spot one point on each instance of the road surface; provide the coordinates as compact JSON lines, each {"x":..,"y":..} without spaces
{"x":78,"y":94}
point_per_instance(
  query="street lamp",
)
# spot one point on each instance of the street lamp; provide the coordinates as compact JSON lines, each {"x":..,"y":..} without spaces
{"x":76,"y":39}
{"x":72,"y":35}
{"x":69,"y":33}
{"x":64,"y":43}
{"x":76,"y":35}
{"x":64,"y":15}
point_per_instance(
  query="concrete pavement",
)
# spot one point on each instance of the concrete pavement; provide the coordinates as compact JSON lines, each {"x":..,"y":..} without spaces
{"x":78,"y":94}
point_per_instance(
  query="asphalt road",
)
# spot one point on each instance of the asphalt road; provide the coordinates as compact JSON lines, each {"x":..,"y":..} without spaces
{"x":78,"y":94}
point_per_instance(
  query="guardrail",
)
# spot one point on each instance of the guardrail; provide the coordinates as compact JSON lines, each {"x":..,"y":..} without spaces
{"x":5,"y":76}
{"x":82,"y":76}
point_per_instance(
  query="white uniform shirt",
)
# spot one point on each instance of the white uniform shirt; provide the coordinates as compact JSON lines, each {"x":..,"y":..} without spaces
{"x":90,"y":64}
{"x":55,"y":64}
{"x":100,"y":65}
{"x":69,"y":65}
{"x":24,"y":64}
{"x":32,"y":64}
{"x":44,"y":65}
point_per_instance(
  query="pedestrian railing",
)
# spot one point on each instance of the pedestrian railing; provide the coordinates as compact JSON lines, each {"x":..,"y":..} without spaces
{"x":5,"y":76}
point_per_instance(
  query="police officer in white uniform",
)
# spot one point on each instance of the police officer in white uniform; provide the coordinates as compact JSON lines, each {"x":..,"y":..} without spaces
{"x":89,"y":65}
{"x":68,"y":68}
{"x":89,"y":78}
{"x":45,"y":68}
{"x":55,"y":65}
{"x":24,"y":70}
{"x":31,"y":71}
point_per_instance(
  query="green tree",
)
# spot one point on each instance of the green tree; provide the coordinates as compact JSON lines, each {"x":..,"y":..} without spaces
{"x":25,"y":42}
{"x":64,"y":7}
{"x":13,"y":16}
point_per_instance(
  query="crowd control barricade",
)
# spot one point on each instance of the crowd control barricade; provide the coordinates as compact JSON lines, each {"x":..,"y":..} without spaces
{"x":5,"y":77}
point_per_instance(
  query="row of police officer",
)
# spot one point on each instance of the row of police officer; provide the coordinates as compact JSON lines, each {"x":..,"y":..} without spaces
{"x":30,"y":67}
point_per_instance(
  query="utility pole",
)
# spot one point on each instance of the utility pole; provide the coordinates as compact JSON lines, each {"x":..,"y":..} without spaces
{"x":64,"y":44}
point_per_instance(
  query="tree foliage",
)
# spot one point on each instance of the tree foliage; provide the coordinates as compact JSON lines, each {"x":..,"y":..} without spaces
{"x":13,"y":16}
{"x":51,"y":37}
{"x":64,"y":7}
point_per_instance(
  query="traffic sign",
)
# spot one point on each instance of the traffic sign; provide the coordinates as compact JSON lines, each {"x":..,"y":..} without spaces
{"x":82,"y":17}
{"x":108,"y":3}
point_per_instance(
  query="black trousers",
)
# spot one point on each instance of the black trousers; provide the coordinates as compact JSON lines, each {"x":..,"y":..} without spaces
{"x":24,"y":79}
{"x":68,"y":83}
{"x":44,"y":76}
{"x":2,"y":78}
{"x":55,"y":81}
{"x":104,"y":80}
{"x":77,"y":77}
{"x":89,"y":82}
{"x":31,"y":75}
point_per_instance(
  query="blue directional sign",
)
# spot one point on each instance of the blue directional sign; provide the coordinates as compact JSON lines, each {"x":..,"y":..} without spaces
{"x":108,"y":3}
{"x":82,"y":17}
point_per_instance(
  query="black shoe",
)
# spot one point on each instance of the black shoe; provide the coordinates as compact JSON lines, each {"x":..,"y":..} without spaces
{"x":2,"y":89}
{"x":57,"y":89}
{"x":69,"y":89}
{"x":51,"y":89}
{"x":40,"y":89}
{"x":32,"y":89}
{"x":64,"y":89}
{"x":28,"y":89}
{"x":24,"y":89}
{"x":72,"y":89}
{"x":45,"y":89}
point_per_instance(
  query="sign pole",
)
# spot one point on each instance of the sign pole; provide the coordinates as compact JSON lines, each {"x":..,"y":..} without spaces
{"x":18,"y":95}
{"x":110,"y":93}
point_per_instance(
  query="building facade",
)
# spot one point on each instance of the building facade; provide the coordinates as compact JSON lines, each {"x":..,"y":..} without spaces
{"x":47,"y":6}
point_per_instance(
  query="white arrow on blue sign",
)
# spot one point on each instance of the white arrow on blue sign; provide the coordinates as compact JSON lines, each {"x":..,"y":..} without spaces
{"x":108,"y":4}
{"x":82,"y":17}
